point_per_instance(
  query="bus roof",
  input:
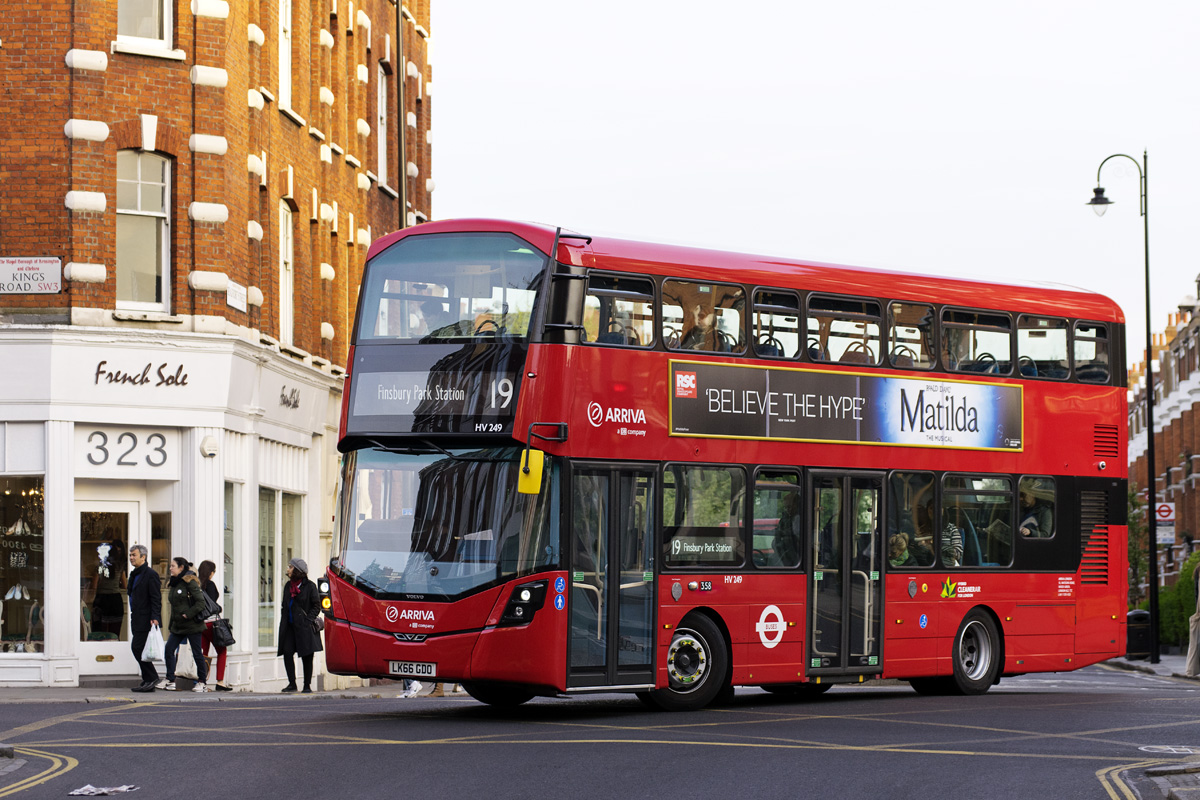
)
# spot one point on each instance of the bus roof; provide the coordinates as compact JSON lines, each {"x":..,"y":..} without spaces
{"x":716,"y":265}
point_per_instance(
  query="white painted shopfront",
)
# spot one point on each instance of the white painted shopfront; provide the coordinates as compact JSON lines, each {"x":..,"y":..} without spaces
{"x":195,"y":445}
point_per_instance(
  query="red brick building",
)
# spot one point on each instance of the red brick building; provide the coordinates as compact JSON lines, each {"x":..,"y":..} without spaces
{"x":187,"y":192}
{"x":1177,"y":432}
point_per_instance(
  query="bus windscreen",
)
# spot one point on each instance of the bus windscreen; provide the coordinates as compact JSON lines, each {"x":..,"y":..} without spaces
{"x":440,"y":525}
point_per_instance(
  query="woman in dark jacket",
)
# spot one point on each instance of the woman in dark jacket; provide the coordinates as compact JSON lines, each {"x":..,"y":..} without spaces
{"x":187,"y":620}
{"x":299,"y":628}
{"x":207,"y":568}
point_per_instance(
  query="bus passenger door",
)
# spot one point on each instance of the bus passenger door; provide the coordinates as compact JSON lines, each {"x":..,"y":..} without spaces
{"x":846,"y":574}
{"x":612,"y":577}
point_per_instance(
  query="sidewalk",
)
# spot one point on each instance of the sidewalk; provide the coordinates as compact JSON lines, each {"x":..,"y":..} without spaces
{"x":91,"y":694}
{"x":1168,"y":666}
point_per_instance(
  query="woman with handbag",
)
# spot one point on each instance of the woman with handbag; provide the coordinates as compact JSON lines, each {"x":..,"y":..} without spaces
{"x":209,"y":587}
{"x":299,"y":629}
{"x":187,"y":620}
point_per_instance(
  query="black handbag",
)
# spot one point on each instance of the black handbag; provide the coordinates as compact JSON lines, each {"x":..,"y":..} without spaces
{"x":222,"y":633}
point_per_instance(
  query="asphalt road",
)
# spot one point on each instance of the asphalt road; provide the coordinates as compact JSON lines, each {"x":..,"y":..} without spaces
{"x":1075,"y":735}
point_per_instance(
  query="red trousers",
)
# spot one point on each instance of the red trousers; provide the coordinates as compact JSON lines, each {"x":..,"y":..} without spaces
{"x":205,"y":641}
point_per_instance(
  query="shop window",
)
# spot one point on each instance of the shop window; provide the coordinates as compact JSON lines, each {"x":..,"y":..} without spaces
{"x":266,"y":567}
{"x":22,"y":566}
{"x":103,"y":563}
{"x":228,"y":595}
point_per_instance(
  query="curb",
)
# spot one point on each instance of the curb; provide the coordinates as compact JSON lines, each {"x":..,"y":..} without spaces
{"x":6,"y":751}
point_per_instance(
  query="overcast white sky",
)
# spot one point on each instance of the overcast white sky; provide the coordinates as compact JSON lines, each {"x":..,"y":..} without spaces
{"x":938,"y":137}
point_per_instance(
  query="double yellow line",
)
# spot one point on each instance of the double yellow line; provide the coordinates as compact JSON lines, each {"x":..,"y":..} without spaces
{"x":59,"y":765}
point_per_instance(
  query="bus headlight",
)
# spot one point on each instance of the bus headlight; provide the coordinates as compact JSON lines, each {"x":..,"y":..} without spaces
{"x":526,"y":599}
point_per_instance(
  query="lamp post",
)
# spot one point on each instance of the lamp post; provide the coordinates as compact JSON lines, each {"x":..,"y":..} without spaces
{"x":1099,"y":204}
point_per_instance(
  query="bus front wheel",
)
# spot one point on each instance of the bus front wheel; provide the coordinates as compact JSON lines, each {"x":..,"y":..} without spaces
{"x":498,"y":695}
{"x":697,"y":667}
{"x":976,"y":653}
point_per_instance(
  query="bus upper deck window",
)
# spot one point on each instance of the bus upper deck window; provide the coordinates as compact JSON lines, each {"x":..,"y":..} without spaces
{"x":619,"y":310}
{"x":976,"y":341}
{"x":1091,"y":352}
{"x":1042,"y":347}
{"x":910,"y":335}
{"x":843,"y":329}
{"x":703,"y":316}
{"x":776,"y":324}
{"x":451,"y":286}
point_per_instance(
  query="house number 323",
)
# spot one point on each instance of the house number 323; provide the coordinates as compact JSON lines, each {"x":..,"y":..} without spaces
{"x":126,"y":449}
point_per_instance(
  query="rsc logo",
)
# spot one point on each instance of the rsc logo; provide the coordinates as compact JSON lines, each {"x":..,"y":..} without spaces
{"x":685,"y":384}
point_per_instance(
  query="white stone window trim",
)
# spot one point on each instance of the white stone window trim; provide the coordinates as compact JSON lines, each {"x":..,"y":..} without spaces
{"x":153,"y":48}
{"x":294,"y":117}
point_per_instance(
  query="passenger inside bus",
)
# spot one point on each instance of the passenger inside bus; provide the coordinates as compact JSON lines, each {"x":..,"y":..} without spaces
{"x":703,"y":334}
{"x":898,"y":553}
{"x":785,"y":546}
{"x":1037,"y":507}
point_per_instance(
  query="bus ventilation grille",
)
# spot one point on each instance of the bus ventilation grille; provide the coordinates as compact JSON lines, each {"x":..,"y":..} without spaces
{"x":1106,"y":442}
{"x":1093,"y":536}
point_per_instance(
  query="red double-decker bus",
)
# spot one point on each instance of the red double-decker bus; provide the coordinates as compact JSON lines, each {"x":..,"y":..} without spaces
{"x":576,"y":464}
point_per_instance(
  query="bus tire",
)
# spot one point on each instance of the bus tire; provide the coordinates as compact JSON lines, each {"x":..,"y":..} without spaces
{"x":697,"y":667}
{"x":976,"y":653}
{"x":498,"y":695}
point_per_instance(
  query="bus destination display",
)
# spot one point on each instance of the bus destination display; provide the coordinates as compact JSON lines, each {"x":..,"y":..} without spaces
{"x":735,"y":402}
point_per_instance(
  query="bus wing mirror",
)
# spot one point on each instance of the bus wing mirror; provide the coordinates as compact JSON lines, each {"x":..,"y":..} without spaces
{"x":530,"y":479}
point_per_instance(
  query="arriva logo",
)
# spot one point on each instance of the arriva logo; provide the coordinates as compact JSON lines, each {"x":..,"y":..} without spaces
{"x":597,"y":415}
{"x":394,"y":614}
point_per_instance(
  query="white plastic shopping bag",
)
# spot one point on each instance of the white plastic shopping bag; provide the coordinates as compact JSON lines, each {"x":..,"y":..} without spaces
{"x":155,"y":646}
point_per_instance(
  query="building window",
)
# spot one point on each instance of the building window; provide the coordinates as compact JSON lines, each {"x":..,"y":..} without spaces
{"x":148,"y":21}
{"x":143,"y":231}
{"x":287,"y":278}
{"x":381,"y":115}
{"x":266,"y":567}
{"x":22,"y":566}
{"x":285,"y":54}
{"x":228,"y":573}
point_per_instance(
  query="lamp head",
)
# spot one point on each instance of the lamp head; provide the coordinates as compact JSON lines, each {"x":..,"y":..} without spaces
{"x":1099,"y":202}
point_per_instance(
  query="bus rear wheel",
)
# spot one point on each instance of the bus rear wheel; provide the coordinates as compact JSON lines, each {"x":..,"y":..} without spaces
{"x":976,"y":654}
{"x":498,"y":695}
{"x":697,"y":667}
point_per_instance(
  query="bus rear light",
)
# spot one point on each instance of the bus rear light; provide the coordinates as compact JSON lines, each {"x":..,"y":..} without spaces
{"x":526,"y":599}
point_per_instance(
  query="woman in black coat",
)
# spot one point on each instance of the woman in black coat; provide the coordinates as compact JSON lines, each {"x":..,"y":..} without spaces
{"x":299,"y":625}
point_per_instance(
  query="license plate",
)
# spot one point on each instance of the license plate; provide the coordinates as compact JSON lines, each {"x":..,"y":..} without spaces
{"x":413,"y":669}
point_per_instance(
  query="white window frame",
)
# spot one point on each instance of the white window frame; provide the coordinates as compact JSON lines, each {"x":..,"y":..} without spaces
{"x":381,"y":117}
{"x":287,"y":274}
{"x":164,"y":255}
{"x":163,"y":42}
{"x":285,"y":54}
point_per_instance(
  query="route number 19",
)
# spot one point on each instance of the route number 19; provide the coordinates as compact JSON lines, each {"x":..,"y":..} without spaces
{"x":502,"y":392}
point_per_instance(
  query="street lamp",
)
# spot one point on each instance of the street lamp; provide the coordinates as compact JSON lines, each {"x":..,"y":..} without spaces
{"x":1100,"y":204}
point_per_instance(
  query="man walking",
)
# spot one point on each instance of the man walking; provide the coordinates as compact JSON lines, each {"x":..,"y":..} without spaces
{"x":145,"y":608}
